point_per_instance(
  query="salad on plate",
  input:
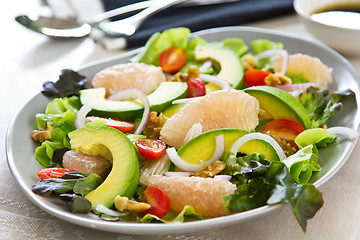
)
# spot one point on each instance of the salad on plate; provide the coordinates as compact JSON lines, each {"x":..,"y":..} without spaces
{"x":189,"y":130}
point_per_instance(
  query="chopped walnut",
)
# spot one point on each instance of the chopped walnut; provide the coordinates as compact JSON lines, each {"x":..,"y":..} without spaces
{"x":288,"y":149}
{"x":210,"y":170}
{"x":42,"y":134}
{"x":277,"y":79}
{"x":248,"y":61}
{"x":193,"y":72}
{"x":154,"y":125}
{"x":124,"y":204}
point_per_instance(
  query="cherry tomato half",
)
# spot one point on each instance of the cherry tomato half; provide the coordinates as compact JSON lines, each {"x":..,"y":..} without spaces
{"x":172,"y":59}
{"x":196,"y":88}
{"x":115,"y":123}
{"x":151,"y":149}
{"x":47,"y":173}
{"x":284,"y":129}
{"x":159,"y":201}
{"x":255,"y":77}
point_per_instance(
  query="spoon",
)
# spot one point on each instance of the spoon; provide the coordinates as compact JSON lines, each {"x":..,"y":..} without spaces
{"x":70,"y":28}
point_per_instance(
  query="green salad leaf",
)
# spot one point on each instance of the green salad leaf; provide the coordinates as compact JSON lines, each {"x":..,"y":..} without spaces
{"x":320,"y":106}
{"x":61,"y":113}
{"x":187,"y":214}
{"x":263,"y":182}
{"x":260,"y":45}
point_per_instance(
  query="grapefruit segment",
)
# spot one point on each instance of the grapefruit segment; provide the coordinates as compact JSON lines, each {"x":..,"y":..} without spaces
{"x":220,"y":109}
{"x":203,"y":194}
{"x":312,"y":68}
{"x":141,"y":76}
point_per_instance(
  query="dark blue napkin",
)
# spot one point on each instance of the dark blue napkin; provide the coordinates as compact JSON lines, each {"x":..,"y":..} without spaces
{"x":204,"y":16}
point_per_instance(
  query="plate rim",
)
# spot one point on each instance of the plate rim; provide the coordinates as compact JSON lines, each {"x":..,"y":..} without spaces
{"x":167,"y":229}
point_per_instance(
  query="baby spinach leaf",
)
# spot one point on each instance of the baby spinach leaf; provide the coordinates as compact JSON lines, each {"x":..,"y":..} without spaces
{"x":85,"y":185}
{"x":77,"y":204}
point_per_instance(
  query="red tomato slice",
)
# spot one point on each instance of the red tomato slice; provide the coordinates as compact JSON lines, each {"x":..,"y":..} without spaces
{"x":196,"y":88}
{"x":115,"y":123}
{"x":47,"y":173}
{"x":172,"y":59}
{"x":284,"y":129}
{"x":159,"y":201}
{"x":151,"y":149}
{"x":255,"y":77}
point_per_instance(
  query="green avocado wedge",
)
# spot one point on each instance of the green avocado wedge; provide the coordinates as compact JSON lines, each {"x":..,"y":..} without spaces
{"x":161,"y":98}
{"x":231,"y":69}
{"x":197,"y":150}
{"x":280,"y":104}
{"x":113,"y":145}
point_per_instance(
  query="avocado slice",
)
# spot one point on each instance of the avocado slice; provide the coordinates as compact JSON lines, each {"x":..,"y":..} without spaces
{"x":280,"y":104}
{"x":161,"y":98}
{"x":199,"y":149}
{"x":113,"y":145}
{"x":231,"y":69}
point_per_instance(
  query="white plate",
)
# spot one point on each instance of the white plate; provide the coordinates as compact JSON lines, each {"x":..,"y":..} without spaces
{"x":20,"y":147}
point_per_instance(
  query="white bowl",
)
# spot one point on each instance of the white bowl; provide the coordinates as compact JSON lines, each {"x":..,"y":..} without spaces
{"x":344,"y":39}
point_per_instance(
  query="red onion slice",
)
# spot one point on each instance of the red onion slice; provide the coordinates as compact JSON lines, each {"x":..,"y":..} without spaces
{"x":223,"y":177}
{"x":273,"y":52}
{"x":177,"y":174}
{"x":101,"y":208}
{"x":185,"y":100}
{"x":188,"y":167}
{"x":348,"y":132}
{"x":195,"y":130}
{"x":206,"y":65}
{"x":259,"y":136}
{"x":133,"y":93}
{"x":81,"y":115}
{"x":214,"y":79}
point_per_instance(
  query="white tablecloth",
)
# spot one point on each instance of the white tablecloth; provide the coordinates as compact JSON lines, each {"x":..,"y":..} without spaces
{"x":28,"y":59}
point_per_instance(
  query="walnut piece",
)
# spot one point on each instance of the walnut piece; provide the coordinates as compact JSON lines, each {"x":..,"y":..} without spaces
{"x":277,"y":79}
{"x":124,"y":204}
{"x":288,"y":149}
{"x":42,"y":134}
{"x":248,"y":61}
{"x":210,"y":170}
{"x":193,"y":72}
{"x":154,"y":125}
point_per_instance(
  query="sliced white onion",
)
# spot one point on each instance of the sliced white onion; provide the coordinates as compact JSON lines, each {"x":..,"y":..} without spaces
{"x":259,"y":136}
{"x":177,"y":174}
{"x":206,"y":65}
{"x":185,"y":100}
{"x":348,"y":132}
{"x":223,"y":177}
{"x":298,"y":86}
{"x":81,"y":115}
{"x":101,"y":208}
{"x":214,"y":79}
{"x":133,"y":93}
{"x":188,"y":167}
{"x":273,"y":52}
{"x":195,"y":130}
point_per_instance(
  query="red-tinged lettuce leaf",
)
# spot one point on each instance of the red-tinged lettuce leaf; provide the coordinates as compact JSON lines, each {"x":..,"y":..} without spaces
{"x":69,"y":84}
{"x":276,"y":186}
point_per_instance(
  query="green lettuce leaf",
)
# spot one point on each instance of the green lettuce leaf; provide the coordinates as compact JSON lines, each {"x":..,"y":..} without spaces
{"x":85,"y":185}
{"x":317,"y":136}
{"x":273,"y":186}
{"x":61,"y":113}
{"x":187,"y":214}
{"x":158,"y":42}
{"x":303,"y":163}
{"x":237,"y":45}
{"x":320,"y":106}
{"x":260,"y":45}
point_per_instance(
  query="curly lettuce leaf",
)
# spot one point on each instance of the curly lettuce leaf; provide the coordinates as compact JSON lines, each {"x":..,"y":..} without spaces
{"x":158,"y":42}
{"x":273,"y":186}
{"x":316,"y":136}
{"x":61,"y":113}
{"x":319,"y":107}
{"x":69,"y":84}
{"x":187,"y":214}
{"x":303,"y":163}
